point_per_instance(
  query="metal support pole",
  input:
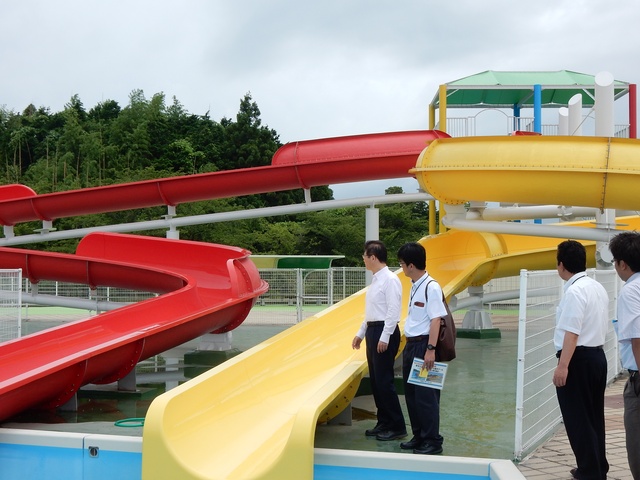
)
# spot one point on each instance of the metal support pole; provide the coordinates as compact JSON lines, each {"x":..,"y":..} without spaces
{"x":603,"y":106}
{"x":372,"y":231}
{"x":537,"y":108}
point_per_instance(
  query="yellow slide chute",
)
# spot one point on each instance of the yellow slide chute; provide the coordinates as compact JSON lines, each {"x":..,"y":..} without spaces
{"x":255,"y":415}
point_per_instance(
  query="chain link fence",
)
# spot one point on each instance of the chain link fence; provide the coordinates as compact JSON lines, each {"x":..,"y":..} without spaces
{"x":537,"y":410}
{"x":295,"y":293}
{"x":10,"y":304}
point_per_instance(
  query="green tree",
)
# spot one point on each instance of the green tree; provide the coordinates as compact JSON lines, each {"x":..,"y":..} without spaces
{"x":246,"y":142}
{"x":147,"y":139}
{"x":19,"y":144}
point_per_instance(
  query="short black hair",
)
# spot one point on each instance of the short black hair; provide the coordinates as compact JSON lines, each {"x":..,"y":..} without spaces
{"x":626,"y":247}
{"x":573,"y":256}
{"x":413,"y":253}
{"x":377,"y":248}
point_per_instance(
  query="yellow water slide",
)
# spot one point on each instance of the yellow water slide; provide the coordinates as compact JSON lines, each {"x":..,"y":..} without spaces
{"x":254,"y":416}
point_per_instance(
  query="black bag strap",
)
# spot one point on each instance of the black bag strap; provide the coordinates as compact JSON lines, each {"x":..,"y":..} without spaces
{"x":426,"y":296}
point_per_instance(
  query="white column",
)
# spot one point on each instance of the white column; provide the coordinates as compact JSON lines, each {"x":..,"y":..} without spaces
{"x":372,"y":231}
{"x":372,"y":223}
{"x":575,"y":115}
{"x":563,"y":121}
{"x":604,"y":105}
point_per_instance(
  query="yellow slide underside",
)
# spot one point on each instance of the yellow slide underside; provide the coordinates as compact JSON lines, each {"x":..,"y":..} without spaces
{"x":254,"y":416}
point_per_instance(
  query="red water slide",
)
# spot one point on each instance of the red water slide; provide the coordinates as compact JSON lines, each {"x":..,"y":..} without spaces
{"x":201,"y":287}
{"x":304,"y":164}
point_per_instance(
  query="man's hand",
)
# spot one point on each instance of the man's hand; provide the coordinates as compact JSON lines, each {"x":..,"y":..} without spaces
{"x":429,"y":359}
{"x":355,"y":343}
{"x":560,"y":376}
{"x":382,"y":347}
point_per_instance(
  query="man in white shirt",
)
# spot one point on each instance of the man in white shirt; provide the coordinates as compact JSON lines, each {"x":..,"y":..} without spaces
{"x":380,"y":328}
{"x":421,"y":330}
{"x":625,"y":248}
{"x":580,"y":378}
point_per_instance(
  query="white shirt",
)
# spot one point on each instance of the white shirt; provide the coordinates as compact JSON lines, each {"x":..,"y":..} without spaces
{"x":383,"y":303}
{"x":629,"y":319}
{"x":424,"y":308}
{"x":583,"y":310}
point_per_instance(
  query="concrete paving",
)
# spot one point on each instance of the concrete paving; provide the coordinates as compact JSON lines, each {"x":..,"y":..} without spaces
{"x":554,"y":459}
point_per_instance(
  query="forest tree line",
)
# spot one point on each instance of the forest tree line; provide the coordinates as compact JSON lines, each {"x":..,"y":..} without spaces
{"x":148,"y":139}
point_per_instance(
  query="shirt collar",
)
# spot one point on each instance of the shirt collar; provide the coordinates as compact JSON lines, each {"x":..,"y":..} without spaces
{"x":386,"y":267}
{"x":633,"y":278}
{"x":426,"y":274}
{"x":575,"y":278}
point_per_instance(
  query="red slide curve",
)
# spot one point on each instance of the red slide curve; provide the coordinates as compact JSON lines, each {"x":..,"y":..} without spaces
{"x":201,"y":287}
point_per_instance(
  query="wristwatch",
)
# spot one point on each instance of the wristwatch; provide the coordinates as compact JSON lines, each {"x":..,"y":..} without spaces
{"x":430,"y":347}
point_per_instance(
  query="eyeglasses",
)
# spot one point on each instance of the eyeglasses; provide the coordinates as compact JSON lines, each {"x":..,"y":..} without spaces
{"x":402,"y":264}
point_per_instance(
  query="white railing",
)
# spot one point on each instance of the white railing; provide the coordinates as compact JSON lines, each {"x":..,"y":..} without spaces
{"x":10,"y":304}
{"x":466,"y":127}
{"x":537,"y":410}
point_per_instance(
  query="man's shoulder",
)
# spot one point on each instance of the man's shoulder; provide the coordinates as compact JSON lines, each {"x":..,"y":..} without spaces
{"x":389,"y":276}
{"x":431,"y":282}
{"x":588,"y":287}
{"x":585,"y":282}
{"x":633,"y":283}
{"x":432,"y":286}
{"x":590,"y":282}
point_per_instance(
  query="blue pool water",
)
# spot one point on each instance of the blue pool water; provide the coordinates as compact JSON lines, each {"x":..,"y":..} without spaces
{"x":94,"y":460}
{"x":328,"y":472}
{"x":30,"y":462}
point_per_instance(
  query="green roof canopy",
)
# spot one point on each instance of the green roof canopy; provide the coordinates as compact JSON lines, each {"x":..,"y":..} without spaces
{"x":507,"y":89}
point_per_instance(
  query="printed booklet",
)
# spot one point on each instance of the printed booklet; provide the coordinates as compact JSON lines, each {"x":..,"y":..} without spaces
{"x":433,"y":378}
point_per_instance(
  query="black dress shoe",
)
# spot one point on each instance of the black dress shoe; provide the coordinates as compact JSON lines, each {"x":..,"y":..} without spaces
{"x":411,"y":444}
{"x":574,"y":473}
{"x":372,"y":432}
{"x":428,"y":449}
{"x":391,"y":435}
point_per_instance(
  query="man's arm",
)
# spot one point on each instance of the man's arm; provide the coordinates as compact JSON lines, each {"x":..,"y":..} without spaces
{"x":562,"y":370}
{"x":393,"y":296}
{"x":434,"y":333}
{"x":635,"y":348}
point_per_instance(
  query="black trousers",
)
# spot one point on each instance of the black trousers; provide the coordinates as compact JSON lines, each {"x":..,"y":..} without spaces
{"x":581,"y":402}
{"x":381,"y":376}
{"x":423,"y":403}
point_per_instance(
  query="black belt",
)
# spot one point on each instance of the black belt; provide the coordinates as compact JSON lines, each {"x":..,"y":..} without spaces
{"x":378,"y":322}
{"x":580,"y":347}
{"x":632,"y":374}
{"x":419,"y":338}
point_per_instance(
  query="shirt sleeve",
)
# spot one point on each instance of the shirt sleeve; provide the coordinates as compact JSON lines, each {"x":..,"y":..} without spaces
{"x":393,"y":295}
{"x":363,"y":329}
{"x":629,"y":325}
{"x":571,"y":316}
{"x":435,"y":305}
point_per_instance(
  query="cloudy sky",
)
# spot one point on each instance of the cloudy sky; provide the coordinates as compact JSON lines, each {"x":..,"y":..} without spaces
{"x":315,"y":69}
